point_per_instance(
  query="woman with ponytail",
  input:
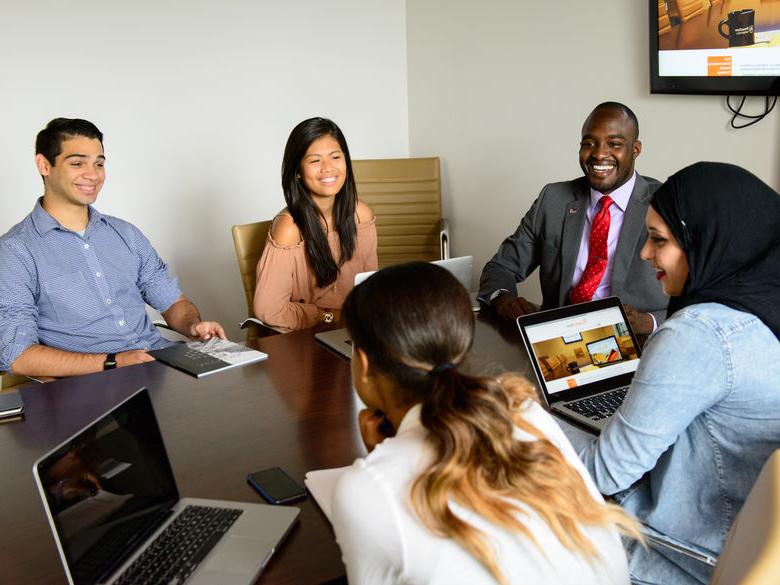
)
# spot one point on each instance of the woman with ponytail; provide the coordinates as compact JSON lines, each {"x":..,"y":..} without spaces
{"x":468,"y":480}
{"x":321,"y":240}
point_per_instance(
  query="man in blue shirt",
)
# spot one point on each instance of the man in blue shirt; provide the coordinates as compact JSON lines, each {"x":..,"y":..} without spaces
{"x":74,"y":283}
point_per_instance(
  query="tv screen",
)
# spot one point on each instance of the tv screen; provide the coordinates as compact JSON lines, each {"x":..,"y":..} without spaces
{"x":723,"y":47}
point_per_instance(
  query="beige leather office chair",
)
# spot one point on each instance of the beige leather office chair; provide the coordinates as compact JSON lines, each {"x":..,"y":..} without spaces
{"x":249,"y":241}
{"x":405,"y":195}
{"x":751,"y":555}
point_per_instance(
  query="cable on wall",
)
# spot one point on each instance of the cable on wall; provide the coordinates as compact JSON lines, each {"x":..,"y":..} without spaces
{"x":754,"y":119}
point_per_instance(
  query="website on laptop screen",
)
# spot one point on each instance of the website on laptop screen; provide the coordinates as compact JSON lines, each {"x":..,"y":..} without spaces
{"x":579,"y":350}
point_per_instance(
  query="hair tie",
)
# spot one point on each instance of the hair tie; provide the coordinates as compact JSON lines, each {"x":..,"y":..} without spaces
{"x":442,"y":367}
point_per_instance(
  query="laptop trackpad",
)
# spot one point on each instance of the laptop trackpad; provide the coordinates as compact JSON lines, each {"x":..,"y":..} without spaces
{"x":237,"y":555}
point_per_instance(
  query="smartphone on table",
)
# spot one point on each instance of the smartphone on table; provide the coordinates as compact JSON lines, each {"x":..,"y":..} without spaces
{"x":276,"y":486}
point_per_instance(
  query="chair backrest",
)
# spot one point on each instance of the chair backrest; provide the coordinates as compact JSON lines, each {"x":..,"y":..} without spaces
{"x":405,"y":195}
{"x":751,"y":555}
{"x":249,"y":240}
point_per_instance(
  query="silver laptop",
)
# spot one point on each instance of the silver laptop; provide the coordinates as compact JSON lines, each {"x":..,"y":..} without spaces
{"x":584,"y":357}
{"x":461,"y":267}
{"x":112,"y":503}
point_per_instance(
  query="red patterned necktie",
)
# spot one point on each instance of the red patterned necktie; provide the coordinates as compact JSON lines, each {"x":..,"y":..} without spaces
{"x":597,"y":255}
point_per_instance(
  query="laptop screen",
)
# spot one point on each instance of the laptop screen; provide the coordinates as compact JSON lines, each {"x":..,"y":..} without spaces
{"x":581,"y":349}
{"x":107,"y":488}
{"x":461,"y":268}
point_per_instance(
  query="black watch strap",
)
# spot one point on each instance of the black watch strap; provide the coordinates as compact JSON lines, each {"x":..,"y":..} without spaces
{"x":110,"y":362}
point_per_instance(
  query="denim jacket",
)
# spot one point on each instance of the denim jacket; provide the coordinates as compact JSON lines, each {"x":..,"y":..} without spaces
{"x":700,"y":419}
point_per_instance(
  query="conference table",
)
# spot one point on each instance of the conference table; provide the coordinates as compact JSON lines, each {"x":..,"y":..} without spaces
{"x":296,"y":410}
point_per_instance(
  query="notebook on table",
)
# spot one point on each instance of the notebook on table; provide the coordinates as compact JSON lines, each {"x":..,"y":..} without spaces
{"x":461,"y":268}
{"x":584,"y":357}
{"x":116,"y":515}
{"x":201,"y":358}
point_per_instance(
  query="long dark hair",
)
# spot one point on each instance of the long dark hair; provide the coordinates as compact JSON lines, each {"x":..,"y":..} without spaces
{"x":415,"y":324}
{"x":305,"y":213}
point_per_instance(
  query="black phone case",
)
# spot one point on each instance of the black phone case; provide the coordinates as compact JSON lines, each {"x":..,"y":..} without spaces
{"x":263,"y":491}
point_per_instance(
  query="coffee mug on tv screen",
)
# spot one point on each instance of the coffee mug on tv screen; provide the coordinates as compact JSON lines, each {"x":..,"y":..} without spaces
{"x":740,"y":26}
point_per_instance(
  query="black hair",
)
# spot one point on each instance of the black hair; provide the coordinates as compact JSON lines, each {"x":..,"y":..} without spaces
{"x":409,"y":319}
{"x":49,"y":140}
{"x":305,"y":213}
{"x":620,"y":107}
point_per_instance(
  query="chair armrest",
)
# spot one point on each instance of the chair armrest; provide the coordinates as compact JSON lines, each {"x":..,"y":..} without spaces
{"x":444,"y":238}
{"x":261,"y":328}
{"x":8,"y":381}
{"x":170,"y":333}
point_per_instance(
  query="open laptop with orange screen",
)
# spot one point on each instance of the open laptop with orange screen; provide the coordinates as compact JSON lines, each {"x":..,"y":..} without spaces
{"x":584,"y":357}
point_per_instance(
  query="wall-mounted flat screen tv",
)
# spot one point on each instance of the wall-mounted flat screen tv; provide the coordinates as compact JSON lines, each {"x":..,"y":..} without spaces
{"x":724,"y":47}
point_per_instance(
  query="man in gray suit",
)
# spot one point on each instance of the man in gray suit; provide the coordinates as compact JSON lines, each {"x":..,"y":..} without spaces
{"x":555,"y":233}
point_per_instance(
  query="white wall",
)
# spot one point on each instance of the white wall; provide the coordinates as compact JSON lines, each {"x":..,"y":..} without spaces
{"x":196,"y":101}
{"x":499,"y":91}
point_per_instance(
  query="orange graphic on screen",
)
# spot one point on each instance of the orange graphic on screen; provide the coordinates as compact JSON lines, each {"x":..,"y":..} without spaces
{"x":585,"y":351}
{"x":719,"y":66}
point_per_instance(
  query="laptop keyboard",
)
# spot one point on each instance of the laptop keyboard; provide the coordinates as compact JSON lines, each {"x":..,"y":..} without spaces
{"x":115,"y":545}
{"x":172,"y":557}
{"x":600,"y":406}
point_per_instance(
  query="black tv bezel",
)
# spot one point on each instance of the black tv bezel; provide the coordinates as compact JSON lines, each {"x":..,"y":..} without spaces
{"x":764,"y":85}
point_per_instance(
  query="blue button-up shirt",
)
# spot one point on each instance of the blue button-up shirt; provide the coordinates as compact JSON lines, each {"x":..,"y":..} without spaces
{"x":82,"y":294}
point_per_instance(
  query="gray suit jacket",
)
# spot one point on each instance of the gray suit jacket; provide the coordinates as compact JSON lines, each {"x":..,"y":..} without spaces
{"x":549,"y":237}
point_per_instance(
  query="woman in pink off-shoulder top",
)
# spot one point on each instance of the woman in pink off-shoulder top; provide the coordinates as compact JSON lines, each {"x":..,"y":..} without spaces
{"x":321,"y":240}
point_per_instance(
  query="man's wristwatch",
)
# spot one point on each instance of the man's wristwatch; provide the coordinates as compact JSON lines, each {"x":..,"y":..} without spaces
{"x":327,"y":317}
{"x":110,"y":362}
{"x":495,"y":294}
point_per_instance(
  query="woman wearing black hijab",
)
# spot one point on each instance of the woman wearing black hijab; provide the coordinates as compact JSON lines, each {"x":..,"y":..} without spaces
{"x":703,"y":412}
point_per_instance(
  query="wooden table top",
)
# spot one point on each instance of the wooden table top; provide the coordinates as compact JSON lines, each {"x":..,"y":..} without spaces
{"x":296,"y":410}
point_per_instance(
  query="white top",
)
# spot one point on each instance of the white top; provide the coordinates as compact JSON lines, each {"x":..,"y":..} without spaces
{"x":382,"y":540}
